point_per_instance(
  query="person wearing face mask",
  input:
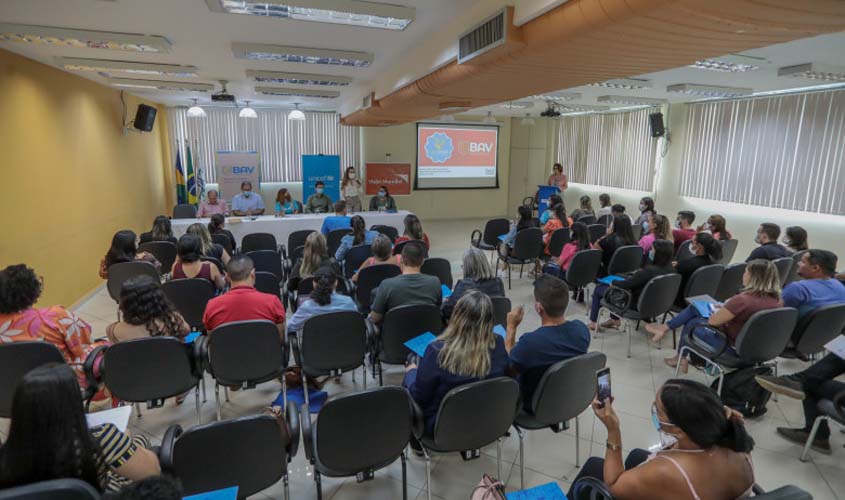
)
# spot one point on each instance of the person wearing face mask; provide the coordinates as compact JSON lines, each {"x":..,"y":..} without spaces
{"x":796,"y":239}
{"x":716,"y":226}
{"x":769,"y":249}
{"x":558,"y":178}
{"x":705,"y":250}
{"x":658,"y":229}
{"x":285,"y":204}
{"x":683,"y":228}
{"x":700,"y":440}
{"x":246,"y":202}
{"x":382,"y":202}
{"x":646,"y":208}
{"x":351,"y":189}
{"x":319,"y":203}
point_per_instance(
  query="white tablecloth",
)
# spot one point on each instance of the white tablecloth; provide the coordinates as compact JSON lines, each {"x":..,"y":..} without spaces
{"x":281,"y":227}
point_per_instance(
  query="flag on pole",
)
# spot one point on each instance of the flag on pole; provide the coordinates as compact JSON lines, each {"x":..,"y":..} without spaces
{"x":192,"y":180}
{"x":181,"y":194}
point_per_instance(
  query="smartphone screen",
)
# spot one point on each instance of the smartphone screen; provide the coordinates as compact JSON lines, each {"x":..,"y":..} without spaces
{"x":603,"y":385}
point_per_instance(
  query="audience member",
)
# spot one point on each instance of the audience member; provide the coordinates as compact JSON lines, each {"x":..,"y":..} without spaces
{"x":555,"y":340}
{"x":318,"y":203}
{"x":124,"y":248}
{"x":796,"y":239}
{"x":315,"y":255}
{"x":646,"y":210}
{"x":146,"y":312}
{"x":323,"y":300}
{"x":382,"y":202}
{"x":413,"y":231}
{"x":767,"y":238}
{"x":352,"y":189}
{"x":619,"y":234}
{"x":246,"y":202}
{"x":382,"y":251}
{"x":337,"y":221}
{"x":525,"y":221}
{"x":217,"y":225}
{"x":49,"y":438}
{"x":411,"y":287}
{"x":189,"y":263}
{"x":558,"y":221}
{"x":701,"y":440}
{"x":360,"y":236}
{"x":579,"y":240}
{"x":212,"y":205}
{"x":466,"y":351}
{"x":684,"y":230}
{"x":715,"y":225}
{"x":285,"y":204}
{"x":162,"y":487}
{"x":161,"y":231}
{"x":618,"y":210}
{"x":208,"y":247}
{"x":818,"y":286}
{"x":584,"y":209}
{"x":558,"y":178}
{"x":659,"y":263}
{"x":604,"y":201}
{"x":658,"y":229}
{"x":554,"y":200}
{"x":761,"y":291}
{"x":705,"y":251}
{"x":478,"y":275}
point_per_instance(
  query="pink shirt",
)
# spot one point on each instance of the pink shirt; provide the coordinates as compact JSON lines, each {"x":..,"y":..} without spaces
{"x":566,"y":256}
{"x":207,"y":209}
{"x":646,"y":242}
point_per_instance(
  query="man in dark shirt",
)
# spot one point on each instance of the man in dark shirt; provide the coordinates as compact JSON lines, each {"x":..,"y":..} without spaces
{"x":556,"y":340}
{"x":767,"y":238}
{"x":410,"y":287}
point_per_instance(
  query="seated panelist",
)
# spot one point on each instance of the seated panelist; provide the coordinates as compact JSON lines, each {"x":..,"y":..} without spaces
{"x":319,"y":203}
{"x":247,"y":203}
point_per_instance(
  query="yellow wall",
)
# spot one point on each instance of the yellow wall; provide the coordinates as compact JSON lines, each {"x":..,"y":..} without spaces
{"x":69,"y":177}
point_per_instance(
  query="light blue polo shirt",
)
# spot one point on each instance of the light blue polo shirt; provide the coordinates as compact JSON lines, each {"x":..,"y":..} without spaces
{"x":242,"y":204}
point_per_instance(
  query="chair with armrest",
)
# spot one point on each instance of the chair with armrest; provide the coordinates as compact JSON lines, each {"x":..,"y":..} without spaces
{"x":266,"y":282}
{"x":296,"y":239}
{"x":397,"y":249}
{"x":830,"y":410}
{"x":590,"y":488}
{"x":728,"y":250}
{"x":269,"y":261}
{"x":121,"y":272}
{"x":501,"y":308}
{"x":223,"y":240}
{"x":596,"y":231}
{"x":703,"y":281}
{"x":527,"y":249}
{"x":488,"y":240}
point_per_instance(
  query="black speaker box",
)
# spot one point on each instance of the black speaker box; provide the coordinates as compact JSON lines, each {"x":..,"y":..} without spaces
{"x":657,"y":129}
{"x":145,"y":117}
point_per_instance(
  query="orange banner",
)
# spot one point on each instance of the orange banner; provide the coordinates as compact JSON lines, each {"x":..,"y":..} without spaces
{"x":396,"y":176}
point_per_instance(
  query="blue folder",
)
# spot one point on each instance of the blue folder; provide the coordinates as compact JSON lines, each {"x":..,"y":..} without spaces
{"x":418,"y":344}
{"x":446,"y":291}
{"x":315,"y":399}
{"x":704,"y":308}
{"x":610,"y":279}
{"x":224,"y":494}
{"x":191,"y":337}
{"x":548,"y":491}
{"x":499,"y":330}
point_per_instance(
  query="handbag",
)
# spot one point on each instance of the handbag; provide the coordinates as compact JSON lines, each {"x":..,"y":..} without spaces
{"x":489,"y":488}
{"x":618,"y":298}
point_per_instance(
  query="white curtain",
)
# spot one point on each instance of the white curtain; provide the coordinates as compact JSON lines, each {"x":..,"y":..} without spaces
{"x":785,"y":152}
{"x":612,"y":149}
{"x":280,"y":142}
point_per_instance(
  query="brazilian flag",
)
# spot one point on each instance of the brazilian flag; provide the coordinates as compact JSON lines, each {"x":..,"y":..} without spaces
{"x":192,"y":179}
{"x":181,"y":194}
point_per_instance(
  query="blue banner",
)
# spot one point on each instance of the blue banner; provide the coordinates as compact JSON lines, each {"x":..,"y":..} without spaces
{"x":324,"y":168}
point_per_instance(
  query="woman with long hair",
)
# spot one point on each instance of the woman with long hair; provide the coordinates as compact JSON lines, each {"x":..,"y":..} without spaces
{"x":189,"y":263}
{"x":466,"y":351}
{"x":606,"y":205}
{"x":795,"y":239}
{"x":285,"y":204}
{"x":558,"y":221}
{"x":161,"y":231}
{"x":382,"y":250}
{"x":558,"y":178}
{"x":146,"y":312}
{"x":716,"y":226}
{"x":360,"y":236}
{"x":49,"y":438}
{"x":413,"y":231}
{"x":701,"y":439}
{"x":209,"y":248}
{"x":351,"y":188}
{"x":554,"y":200}
{"x":382,"y":201}
{"x":314,"y":256}
{"x":658,"y":229}
{"x":619,"y":234}
{"x":124,"y":248}
{"x":585,"y":208}
{"x":646,"y":210}
{"x":478,"y":275}
{"x":579,"y":240}
{"x":217,"y":225}
{"x":323,"y":300}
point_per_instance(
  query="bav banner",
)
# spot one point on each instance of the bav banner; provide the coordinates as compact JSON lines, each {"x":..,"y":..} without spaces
{"x":235,"y":167}
{"x":396,"y":176}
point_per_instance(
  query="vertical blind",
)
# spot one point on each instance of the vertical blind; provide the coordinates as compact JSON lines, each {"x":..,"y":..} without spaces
{"x":613,"y":149}
{"x":280,"y":142}
{"x":785,"y":152}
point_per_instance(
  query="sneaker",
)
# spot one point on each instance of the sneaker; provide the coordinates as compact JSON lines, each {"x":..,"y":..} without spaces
{"x":781,"y":385}
{"x":502,"y":274}
{"x":799,"y":436}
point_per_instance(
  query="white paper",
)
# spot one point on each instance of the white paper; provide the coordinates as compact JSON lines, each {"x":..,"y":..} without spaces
{"x":837,"y":346}
{"x":118,"y":416}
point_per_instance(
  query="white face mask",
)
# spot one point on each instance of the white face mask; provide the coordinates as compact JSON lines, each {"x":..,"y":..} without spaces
{"x":642,"y":207}
{"x":758,"y":240}
{"x":351,"y":175}
{"x":667,"y":440}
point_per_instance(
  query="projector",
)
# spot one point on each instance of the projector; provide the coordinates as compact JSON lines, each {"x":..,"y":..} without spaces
{"x":223,"y":95}
{"x":550,"y":112}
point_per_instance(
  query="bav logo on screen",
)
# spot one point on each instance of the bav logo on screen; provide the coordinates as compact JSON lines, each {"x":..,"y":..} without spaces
{"x":457,"y":152}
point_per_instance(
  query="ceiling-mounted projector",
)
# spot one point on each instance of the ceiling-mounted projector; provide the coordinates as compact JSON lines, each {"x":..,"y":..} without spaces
{"x":223,"y":95}
{"x":550,"y":112}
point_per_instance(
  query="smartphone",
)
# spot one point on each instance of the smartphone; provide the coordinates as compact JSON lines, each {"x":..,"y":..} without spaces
{"x":603,"y":385}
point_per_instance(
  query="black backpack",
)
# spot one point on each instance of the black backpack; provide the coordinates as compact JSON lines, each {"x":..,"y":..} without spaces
{"x":742,"y":393}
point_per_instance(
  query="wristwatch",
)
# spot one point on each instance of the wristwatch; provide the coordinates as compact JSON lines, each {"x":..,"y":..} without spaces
{"x":613,"y":446}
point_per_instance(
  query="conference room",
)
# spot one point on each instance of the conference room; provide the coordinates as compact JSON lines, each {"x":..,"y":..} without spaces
{"x":559,"y":249}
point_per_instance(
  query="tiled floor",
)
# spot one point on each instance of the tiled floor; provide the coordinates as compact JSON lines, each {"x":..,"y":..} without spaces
{"x":549,"y":456}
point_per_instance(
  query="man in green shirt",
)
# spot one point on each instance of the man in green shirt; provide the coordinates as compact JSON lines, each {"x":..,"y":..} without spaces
{"x":410,"y":287}
{"x":319,"y":203}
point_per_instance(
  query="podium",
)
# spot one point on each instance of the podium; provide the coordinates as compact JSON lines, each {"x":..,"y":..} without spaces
{"x":543,"y":194}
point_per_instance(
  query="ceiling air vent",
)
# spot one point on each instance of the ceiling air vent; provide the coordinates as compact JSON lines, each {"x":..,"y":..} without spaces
{"x":488,"y":35}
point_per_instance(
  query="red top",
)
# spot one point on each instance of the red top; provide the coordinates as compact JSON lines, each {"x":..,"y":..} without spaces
{"x":743,"y":306}
{"x":405,"y":238}
{"x":682,"y":235}
{"x":205,"y":272}
{"x":242,"y":303}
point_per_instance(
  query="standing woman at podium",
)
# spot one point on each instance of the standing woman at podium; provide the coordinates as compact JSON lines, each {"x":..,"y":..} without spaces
{"x":558,"y":178}
{"x":351,"y":189}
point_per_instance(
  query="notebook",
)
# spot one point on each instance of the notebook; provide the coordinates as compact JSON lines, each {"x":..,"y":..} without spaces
{"x":607,"y":280}
{"x":704,"y":308}
{"x":224,"y":494}
{"x":118,"y":416}
{"x":191,"y":337}
{"x":418,"y":344}
{"x":548,"y":491}
{"x":499,"y":330}
{"x":446,"y":291}
{"x":837,"y":346}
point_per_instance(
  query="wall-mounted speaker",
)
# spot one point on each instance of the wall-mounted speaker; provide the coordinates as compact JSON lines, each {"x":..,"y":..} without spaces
{"x":657,"y":129}
{"x":145,"y":117}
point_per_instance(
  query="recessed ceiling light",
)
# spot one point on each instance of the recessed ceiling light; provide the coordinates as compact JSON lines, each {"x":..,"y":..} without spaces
{"x":111,"y":66}
{"x":297,"y":78}
{"x":709,"y":90}
{"x":814,"y":71}
{"x":90,"y":39}
{"x":351,"y":12}
{"x":517,"y":104}
{"x":733,"y":63}
{"x":307,"y":55}
{"x":624,"y":83}
{"x":631,"y":100}
{"x":558,"y":96}
{"x":160,"y":85}
{"x":291,"y":92}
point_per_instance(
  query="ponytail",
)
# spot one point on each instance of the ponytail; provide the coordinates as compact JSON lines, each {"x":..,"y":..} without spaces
{"x":216,"y":223}
{"x":711,"y":246}
{"x":413,"y":227}
{"x":359,"y":230}
{"x":735,"y":437}
{"x":324,"y":282}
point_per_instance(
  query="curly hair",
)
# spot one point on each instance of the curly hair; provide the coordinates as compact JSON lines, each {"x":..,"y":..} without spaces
{"x":20,"y":288}
{"x":142,"y":302}
{"x":324,"y":283}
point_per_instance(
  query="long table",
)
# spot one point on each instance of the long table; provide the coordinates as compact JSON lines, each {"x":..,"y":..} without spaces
{"x":282,"y":227}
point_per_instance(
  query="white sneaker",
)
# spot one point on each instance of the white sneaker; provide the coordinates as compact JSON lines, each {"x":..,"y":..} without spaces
{"x":502,"y":273}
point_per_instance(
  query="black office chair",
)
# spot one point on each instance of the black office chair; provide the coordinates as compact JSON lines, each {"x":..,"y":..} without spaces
{"x":489,"y":239}
{"x":259,"y":241}
{"x":590,"y":488}
{"x":625,"y":260}
{"x":527,"y":248}
{"x":397,"y":249}
{"x":583,"y":269}
{"x":368,"y":280}
{"x":559,"y":238}
{"x":297,"y":239}
{"x":440,"y":267}
{"x":190,"y":297}
{"x":332,"y":344}
{"x":596,"y":231}
{"x":566,"y":389}
{"x":605,"y":220}
{"x":184,"y":211}
{"x":384,"y":422}
{"x":470,"y":417}
{"x":269,"y":261}
{"x":793,"y":272}
{"x":587,"y":220}
{"x":830,"y":410}
{"x":354,"y":258}
{"x":501,"y":308}
{"x":243,"y":354}
{"x":814,"y":330}
{"x":389,"y":231}
{"x":267,"y":283}
{"x":333,"y":240}
{"x":18,"y":358}
{"x":217,"y":263}
{"x":704,"y":281}
{"x":637,"y":230}
{"x":163,"y":251}
{"x":251,"y":452}
{"x":684,"y":252}
{"x":55,"y":489}
{"x":731,"y":282}
{"x":400,"y":325}
{"x":784,"y":266}
{"x":294,"y":297}
{"x":121,"y":272}
{"x":788,"y":492}
{"x":728,"y":251}
{"x":223,"y":240}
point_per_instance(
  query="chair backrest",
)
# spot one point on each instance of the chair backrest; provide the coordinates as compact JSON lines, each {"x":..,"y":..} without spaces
{"x":370,"y":277}
{"x":248,"y":452}
{"x":297,"y":238}
{"x":788,"y":492}
{"x":658,"y":295}
{"x":389,"y":231}
{"x":587,"y":220}
{"x":354,"y":258}
{"x":122,"y":271}
{"x":16,"y":359}
{"x":258,"y":241}
{"x":217,"y":263}
{"x":567,"y":388}
{"x":605,"y":220}
{"x":793,"y":272}
{"x":625,"y":259}
{"x":501,"y":308}
{"x":223,"y":240}
{"x":267,"y":283}
{"x":297,"y":253}
{"x":190,"y":296}
{"x":440,"y":267}
{"x":704,"y":280}
{"x":184,"y":211}
{"x":728,"y":250}
{"x":55,"y":489}
{"x":493,"y":229}
{"x":559,"y":238}
{"x":403,"y":323}
{"x":596,"y":231}
{"x":333,"y":239}
{"x":765,"y":335}
{"x":245,"y":352}
{"x":383,"y":425}
{"x":684,"y":251}
{"x":584,"y":268}
{"x":268,"y":261}
{"x":590,"y":488}
{"x":148,"y":369}
{"x":731,"y":281}
{"x":306,"y":286}
{"x":784,"y":265}
{"x":637,"y":230}
{"x":333,"y":342}
{"x":528,"y":244}
{"x":397,"y":249}
{"x":474,"y":415}
{"x":163,"y":251}
{"x":818,"y":327}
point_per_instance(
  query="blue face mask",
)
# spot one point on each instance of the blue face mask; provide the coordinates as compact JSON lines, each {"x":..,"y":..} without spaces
{"x":247,"y":193}
{"x":319,"y":190}
{"x":382,"y":194}
{"x":651,"y":255}
{"x":666,"y":440}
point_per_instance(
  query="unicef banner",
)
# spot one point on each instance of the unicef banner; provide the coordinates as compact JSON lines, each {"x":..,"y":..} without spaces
{"x":324,"y":168}
{"x":235,"y":167}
